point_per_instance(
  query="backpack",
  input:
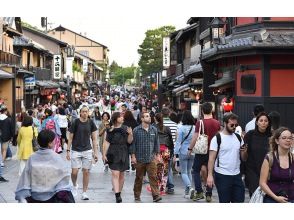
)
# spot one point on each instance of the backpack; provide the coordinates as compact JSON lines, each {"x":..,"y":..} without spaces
{"x":50,"y":125}
{"x":219,"y":140}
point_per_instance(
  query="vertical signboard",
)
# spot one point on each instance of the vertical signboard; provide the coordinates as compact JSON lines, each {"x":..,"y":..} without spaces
{"x":166,"y":52}
{"x":57,"y":67}
{"x":85,"y":65}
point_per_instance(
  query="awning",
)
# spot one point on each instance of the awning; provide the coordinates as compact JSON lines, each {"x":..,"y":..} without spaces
{"x":180,"y":77}
{"x":193,"y":69}
{"x":181,"y":89}
{"x":196,"y":82}
{"x":6,"y":75}
{"x":47,"y":84}
{"x":173,"y":83}
{"x":226,"y":79}
{"x":25,"y":72}
{"x":98,"y":67}
{"x":62,"y":84}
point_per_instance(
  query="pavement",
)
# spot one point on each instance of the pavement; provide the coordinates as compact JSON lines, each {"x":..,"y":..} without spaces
{"x":100,"y":187}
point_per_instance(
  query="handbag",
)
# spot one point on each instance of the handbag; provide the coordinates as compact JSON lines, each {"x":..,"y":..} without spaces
{"x":201,"y":145}
{"x":34,"y":141}
{"x":257,"y":196}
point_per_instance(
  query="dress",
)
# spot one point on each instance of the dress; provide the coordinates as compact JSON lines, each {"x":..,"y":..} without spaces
{"x":118,"y":150}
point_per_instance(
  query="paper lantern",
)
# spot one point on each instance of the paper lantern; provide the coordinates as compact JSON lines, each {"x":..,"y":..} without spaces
{"x":228,"y":104}
{"x":49,"y":96}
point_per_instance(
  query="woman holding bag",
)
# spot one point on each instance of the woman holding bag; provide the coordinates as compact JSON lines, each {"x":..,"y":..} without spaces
{"x":277,"y":171}
{"x":24,"y":142}
{"x":184,"y":137}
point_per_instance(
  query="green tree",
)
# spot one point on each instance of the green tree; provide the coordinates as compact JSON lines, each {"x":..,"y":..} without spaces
{"x":119,"y":75}
{"x":151,"y":49}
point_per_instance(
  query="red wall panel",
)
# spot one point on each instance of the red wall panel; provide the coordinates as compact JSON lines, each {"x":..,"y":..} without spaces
{"x":281,"y":83}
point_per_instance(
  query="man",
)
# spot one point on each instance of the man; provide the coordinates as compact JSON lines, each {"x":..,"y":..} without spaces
{"x":82,"y":152}
{"x":173,"y":128}
{"x":224,"y":159}
{"x":123,"y":108}
{"x":211,"y":127}
{"x":6,"y":132}
{"x":251,"y":124}
{"x":145,"y":154}
{"x":143,"y":110}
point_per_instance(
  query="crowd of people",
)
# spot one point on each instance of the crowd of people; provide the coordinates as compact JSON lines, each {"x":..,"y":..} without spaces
{"x":132,"y":135}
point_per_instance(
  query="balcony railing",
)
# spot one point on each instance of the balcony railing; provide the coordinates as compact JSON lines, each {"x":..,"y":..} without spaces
{"x":9,"y":59}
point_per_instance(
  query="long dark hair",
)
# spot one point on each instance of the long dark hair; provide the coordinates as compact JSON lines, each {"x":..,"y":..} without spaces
{"x":114,"y":117}
{"x":269,"y":127}
{"x":128,"y":116}
{"x":187,"y":118}
{"x":159,"y":120}
{"x":27,"y":121}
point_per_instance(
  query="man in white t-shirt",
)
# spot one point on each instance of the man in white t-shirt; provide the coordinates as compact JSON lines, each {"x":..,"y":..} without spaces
{"x":225,"y":162}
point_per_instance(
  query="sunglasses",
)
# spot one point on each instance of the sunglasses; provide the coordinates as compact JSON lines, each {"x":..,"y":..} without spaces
{"x":233,"y":125}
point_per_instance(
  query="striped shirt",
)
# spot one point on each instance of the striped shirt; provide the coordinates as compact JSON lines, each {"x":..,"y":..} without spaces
{"x":172,"y":126}
{"x":145,"y":144}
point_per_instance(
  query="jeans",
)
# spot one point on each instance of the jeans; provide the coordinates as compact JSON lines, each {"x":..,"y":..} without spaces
{"x":170,"y":179}
{"x":199,"y":161}
{"x":186,"y":162}
{"x":8,"y":152}
{"x":229,"y":188}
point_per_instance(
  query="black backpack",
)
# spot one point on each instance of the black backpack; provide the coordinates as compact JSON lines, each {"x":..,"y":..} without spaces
{"x":219,"y":141}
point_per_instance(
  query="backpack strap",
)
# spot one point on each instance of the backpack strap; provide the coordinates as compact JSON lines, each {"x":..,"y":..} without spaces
{"x":219,"y":141}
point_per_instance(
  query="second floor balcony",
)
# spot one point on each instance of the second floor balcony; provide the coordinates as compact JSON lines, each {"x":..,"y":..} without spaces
{"x":40,"y":73}
{"x":9,"y":59}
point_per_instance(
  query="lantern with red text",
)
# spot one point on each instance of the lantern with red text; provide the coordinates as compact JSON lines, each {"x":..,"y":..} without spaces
{"x":228,"y":104}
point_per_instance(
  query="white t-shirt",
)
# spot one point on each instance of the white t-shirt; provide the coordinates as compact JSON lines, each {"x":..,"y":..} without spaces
{"x":229,"y":154}
{"x":250,"y":125}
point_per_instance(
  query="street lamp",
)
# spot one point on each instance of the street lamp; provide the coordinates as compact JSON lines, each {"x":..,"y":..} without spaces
{"x":217,"y":28}
{"x":70,"y":53}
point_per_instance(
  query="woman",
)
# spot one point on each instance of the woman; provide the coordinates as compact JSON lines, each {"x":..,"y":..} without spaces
{"x":50,"y":123}
{"x":131,"y":122}
{"x":62,"y":122}
{"x":102,"y":131}
{"x":277,"y":171}
{"x":257,"y":141}
{"x":96,"y":116}
{"x":184,"y":137}
{"x":24,"y":142}
{"x":166,"y":149}
{"x":45,"y":178}
{"x":116,"y":145}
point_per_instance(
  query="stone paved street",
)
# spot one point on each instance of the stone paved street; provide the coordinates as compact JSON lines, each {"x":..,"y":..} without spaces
{"x":100,"y":188}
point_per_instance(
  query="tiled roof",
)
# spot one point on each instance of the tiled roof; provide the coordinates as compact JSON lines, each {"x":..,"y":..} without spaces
{"x":261,"y":39}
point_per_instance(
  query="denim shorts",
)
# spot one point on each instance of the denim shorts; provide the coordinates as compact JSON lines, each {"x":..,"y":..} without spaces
{"x":82,"y":159}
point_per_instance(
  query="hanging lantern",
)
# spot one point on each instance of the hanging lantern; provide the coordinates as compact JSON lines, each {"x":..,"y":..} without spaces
{"x":228,"y":104}
{"x":49,"y":96}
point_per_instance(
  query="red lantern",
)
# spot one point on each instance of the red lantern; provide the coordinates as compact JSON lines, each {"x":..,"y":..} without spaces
{"x":228,"y":104}
{"x":49,"y":96}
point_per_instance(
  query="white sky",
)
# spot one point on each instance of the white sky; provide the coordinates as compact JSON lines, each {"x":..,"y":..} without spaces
{"x":121,"y":35}
{"x":121,"y":24}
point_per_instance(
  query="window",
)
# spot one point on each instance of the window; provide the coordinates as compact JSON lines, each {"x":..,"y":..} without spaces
{"x":248,"y":84}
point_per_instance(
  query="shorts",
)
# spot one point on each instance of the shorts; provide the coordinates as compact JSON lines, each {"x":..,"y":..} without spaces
{"x":81,"y":159}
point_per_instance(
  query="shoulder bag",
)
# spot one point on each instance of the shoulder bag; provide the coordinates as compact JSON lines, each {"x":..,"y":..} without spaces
{"x":201,"y":145}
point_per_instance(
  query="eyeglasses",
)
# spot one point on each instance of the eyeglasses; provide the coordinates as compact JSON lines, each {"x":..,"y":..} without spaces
{"x":233,"y":125}
{"x":287,"y":138}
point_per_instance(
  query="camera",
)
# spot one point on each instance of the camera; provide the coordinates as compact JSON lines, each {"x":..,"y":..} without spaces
{"x":283,"y":193}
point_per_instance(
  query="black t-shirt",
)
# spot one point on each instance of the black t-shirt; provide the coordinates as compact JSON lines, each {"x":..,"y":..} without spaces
{"x":81,"y":134}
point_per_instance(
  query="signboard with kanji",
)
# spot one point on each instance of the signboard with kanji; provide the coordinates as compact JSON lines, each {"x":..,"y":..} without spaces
{"x":57,"y":67}
{"x":30,"y":81}
{"x":166,"y":52}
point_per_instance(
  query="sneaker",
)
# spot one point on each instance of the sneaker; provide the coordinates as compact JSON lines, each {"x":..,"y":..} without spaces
{"x":137,"y":199}
{"x":2,"y":164}
{"x":198,"y":196}
{"x":84,"y":196}
{"x":191,"y":193}
{"x":157,"y":199}
{"x":128,"y":170}
{"x":170,"y":191}
{"x":8,"y":158}
{"x":208,"y":199}
{"x":74,"y":190}
{"x":106,"y":168}
{"x":145,"y":181}
{"x":3,"y":180}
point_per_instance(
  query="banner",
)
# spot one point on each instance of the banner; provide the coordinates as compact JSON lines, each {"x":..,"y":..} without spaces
{"x":57,"y":67}
{"x":166,"y":52}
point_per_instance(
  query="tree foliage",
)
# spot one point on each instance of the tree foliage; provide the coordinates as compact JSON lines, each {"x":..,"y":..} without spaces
{"x":151,"y":49}
{"x":119,"y":74}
